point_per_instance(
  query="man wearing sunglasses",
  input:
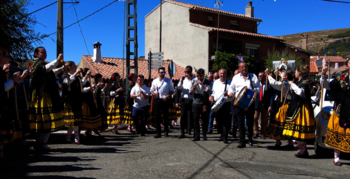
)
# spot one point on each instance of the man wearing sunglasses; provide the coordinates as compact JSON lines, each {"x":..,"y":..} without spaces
{"x":200,"y":106}
{"x":162,"y":88}
{"x":185,"y":85}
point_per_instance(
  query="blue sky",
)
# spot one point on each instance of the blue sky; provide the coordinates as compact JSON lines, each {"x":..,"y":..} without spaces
{"x":280,"y":17}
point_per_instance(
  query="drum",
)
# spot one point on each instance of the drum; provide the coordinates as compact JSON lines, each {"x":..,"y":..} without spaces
{"x":218,"y":104}
{"x":245,"y":98}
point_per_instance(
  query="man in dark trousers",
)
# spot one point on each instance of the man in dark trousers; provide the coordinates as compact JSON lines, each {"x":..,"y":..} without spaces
{"x":185,"y":86}
{"x":162,"y":88}
{"x":201,"y":105}
{"x":263,"y":106}
{"x":240,"y":81}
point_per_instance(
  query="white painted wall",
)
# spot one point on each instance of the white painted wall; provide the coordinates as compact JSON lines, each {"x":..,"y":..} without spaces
{"x":185,"y":44}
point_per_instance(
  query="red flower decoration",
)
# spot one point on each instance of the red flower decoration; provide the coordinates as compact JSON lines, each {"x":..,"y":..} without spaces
{"x":149,"y":84}
{"x":94,"y":75}
{"x":116,"y":86}
{"x":112,"y":77}
{"x":130,"y":82}
{"x":129,"y":76}
{"x":342,"y":77}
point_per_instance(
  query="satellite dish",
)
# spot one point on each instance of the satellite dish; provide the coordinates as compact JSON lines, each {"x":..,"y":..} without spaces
{"x":172,"y":69}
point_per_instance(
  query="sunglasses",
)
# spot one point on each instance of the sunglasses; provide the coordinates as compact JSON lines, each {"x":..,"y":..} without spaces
{"x":187,"y":72}
{"x":163,"y":73}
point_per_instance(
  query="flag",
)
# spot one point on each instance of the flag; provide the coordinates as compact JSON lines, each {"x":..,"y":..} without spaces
{"x":240,"y":58}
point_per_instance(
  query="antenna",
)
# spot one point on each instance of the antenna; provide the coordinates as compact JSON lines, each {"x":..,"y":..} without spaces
{"x":218,"y":3}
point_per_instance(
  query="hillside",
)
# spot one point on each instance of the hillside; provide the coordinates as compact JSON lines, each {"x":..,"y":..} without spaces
{"x":314,"y":37}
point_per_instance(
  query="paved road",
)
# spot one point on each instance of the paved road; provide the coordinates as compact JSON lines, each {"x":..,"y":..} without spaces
{"x":131,"y":156}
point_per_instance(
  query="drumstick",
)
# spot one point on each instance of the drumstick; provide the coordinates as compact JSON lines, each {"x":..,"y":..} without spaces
{"x":267,"y":80}
{"x":81,"y":85}
{"x":285,"y":98}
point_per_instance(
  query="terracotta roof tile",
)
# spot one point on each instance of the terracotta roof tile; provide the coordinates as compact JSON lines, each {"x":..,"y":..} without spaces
{"x":197,"y":7}
{"x":235,"y":31}
{"x":331,"y":58}
{"x":112,"y":65}
{"x":313,"y":67}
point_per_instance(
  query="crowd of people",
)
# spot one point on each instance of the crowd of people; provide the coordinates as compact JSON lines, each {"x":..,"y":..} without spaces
{"x":283,"y":96}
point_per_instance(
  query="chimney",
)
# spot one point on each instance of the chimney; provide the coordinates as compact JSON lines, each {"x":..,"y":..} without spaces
{"x":97,"y":53}
{"x":249,"y":10}
{"x":304,"y":39}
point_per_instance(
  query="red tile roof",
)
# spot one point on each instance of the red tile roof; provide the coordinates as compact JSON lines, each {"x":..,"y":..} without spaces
{"x":331,"y":58}
{"x":235,"y":31}
{"x":313,"y":67}
{"x":112,"y":65}
{"x":197,"y":7}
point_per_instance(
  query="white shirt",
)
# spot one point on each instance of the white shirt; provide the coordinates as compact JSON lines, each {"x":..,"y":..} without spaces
{"x":219,"y":89}
{"x":238,"y":83}
{"x":186,"y":86}
{"x":140,"y":101}
{"x":163,"y":87}
{"x":277,"y":85}
{"x":72,"y":78}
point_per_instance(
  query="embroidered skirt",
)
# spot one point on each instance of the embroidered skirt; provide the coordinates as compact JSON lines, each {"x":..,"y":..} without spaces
{"x":115,"y":113}
{"x":336,"y":136}
{"x":90,"y":119}
{"x":302,"y":128}
{"x":276,"y":126}
{"x":72,"y":118}
{"x":42,"y":117}
{"x":128,"y":115}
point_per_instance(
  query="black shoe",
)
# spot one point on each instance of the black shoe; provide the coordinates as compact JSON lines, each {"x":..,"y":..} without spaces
{"x":142,"y":135}
{"x":205,"y":138}
{"x":225,"y":141}
{"x":220,"y":139}
{"x":241,"y":145}
{"x":157,"y":136}
{"x":196,"y":139}
{"x":250,"y":142}
{"x":166,"y":134}
{"x":181,"y":136}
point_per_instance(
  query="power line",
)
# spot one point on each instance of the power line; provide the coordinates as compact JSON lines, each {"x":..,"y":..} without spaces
{"x":337,"y":1}
{"x":82,"y":18}
{"x":76,"y":14}
{"x":42,"y":8}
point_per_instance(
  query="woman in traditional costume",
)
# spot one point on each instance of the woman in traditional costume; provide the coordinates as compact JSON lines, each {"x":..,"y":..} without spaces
{"x":115,"y":113}
{"x":300,"y":123}
{"x":129,"y":103}
{"x":99,"y":91}
{"x":280,"y":106}
{"x":72,"y":98}
{"x":7,"y":117}
{"x":338,"y":129}
{"x":91,"y":117}
{"x":45,"y":104}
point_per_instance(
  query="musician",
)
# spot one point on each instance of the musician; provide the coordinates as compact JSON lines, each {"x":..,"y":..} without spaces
{"x":72,"y":99}
{"x":6,"y":113}
{"x":162,"y":88}
{"x":249,"y":80}
{"x":91,"y":117}
{"x":212,"y":115}
{"x":234,"y":117}
{"x":201,"y":105}
{"x":140,"y":93}
{"x":338,"y":129}
{"x":45,"y":104}
{"x":185,"y":85}
{"x":117,"y":104}
{"x":263,"y":105}
{"x":223,"y":117}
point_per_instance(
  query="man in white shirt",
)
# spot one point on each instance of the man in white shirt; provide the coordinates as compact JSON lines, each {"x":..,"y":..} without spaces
{"x":239,"y":81}
{"x":140,"y":93}
{"x":186,"y":101}
{"x":162,"y":88}
{"x":223,"y":116}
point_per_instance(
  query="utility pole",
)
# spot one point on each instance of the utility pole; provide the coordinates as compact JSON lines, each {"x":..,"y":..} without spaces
{"x":160,"y":26}
{"x":59,"y":46}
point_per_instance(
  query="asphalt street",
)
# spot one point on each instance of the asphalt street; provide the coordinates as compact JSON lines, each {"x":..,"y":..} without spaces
{"x":130,"y":156}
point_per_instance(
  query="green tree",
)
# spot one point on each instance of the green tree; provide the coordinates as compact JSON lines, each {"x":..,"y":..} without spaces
{"x":17,"y":29}
{"x":276,"y":55}
{"x":230,"y":62}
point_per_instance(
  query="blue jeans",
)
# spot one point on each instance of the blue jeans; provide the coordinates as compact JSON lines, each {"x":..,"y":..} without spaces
{"x":211,"y":120}
{"x":140,"y":114}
